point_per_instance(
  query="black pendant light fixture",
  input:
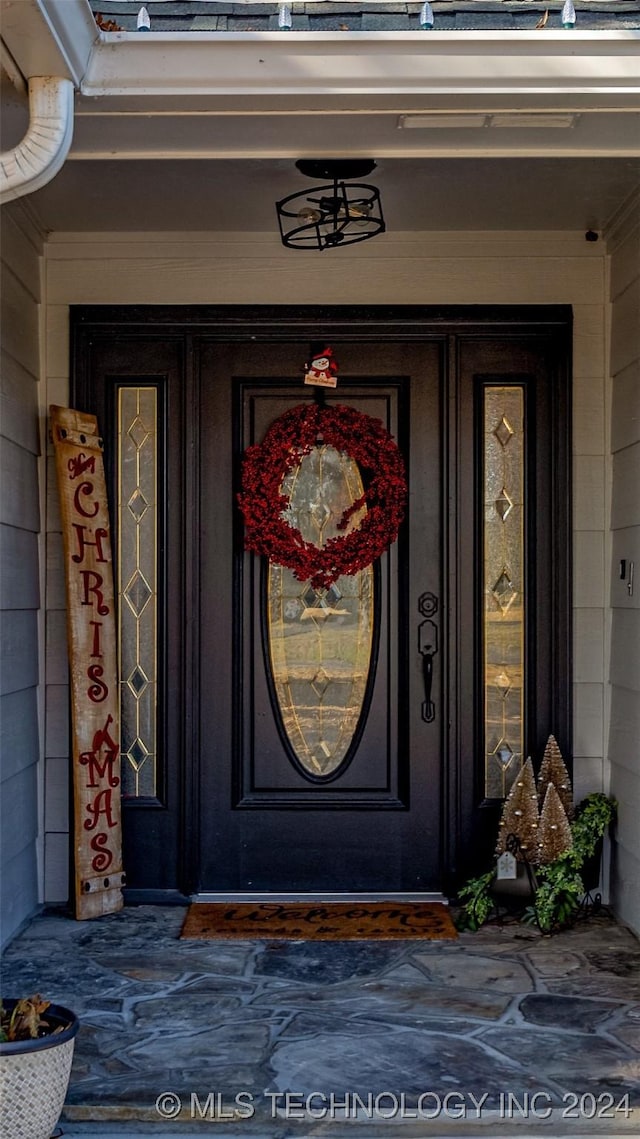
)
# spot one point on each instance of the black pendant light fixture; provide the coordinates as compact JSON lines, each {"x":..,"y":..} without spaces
{"x":339,"y":213}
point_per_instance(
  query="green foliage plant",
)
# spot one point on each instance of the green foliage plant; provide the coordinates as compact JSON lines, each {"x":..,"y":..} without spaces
{"x":559,"y":893}
{"x":478,"y":902}
{"x":560,"y":887}
{"x":594,"y":816}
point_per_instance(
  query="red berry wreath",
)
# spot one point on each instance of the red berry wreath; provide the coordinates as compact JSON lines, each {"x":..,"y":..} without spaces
{"x":289,"y":438}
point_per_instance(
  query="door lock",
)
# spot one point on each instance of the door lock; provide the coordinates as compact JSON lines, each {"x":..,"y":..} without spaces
{"x":428,"y":647}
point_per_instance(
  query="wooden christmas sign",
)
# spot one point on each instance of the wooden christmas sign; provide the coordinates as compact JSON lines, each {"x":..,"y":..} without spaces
{"x":91,"y":636}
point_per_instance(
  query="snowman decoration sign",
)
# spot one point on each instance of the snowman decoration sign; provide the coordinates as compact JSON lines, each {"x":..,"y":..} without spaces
{"x":323,"y":371}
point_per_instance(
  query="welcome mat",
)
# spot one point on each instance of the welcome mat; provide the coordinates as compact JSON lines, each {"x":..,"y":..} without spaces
{"x":333,"y":921}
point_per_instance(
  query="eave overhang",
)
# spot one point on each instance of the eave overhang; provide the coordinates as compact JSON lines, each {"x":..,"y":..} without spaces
{"x":279,"y":94}
{"x":47,"y":37}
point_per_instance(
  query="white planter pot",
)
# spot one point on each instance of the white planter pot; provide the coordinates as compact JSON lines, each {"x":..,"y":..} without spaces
{"x":34,"y":1075}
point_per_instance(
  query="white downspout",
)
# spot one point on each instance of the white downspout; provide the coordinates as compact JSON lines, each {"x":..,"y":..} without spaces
{"x":42,"y":151}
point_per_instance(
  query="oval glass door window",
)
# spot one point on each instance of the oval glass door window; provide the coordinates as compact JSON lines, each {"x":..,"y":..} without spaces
{"x":320,"y":641}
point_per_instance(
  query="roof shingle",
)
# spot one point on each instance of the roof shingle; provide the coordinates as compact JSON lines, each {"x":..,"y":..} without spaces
{"x":366,"y":16}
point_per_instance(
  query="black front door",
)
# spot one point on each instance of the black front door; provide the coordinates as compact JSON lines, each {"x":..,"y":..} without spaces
{"x":277,"y":812}
{"x":235,"y":683}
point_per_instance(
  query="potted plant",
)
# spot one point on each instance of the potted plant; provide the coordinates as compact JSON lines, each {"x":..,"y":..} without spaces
{"x":594,"y":815}
{"x":558,"y":896}
{"x":560,"y":885}
{"x":36,"y":1049}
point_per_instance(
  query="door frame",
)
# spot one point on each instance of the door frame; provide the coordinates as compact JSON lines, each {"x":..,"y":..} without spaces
{"x":549,"y":325}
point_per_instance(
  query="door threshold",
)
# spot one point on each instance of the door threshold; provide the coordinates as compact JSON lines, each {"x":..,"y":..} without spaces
{"x":321,"y":896}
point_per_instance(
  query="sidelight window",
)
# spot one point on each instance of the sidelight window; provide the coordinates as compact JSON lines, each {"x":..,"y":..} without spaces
{"x":137,"y":586}
{"x":504,"y":584}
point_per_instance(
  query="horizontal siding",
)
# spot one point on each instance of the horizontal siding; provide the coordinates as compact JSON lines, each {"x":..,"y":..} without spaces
{"x":624,"y":328}
{"x":588,"y":510}
{"x":58,"y":390}
{"x":588,"y":776}
{"x":56,"y":589}
{"x":57,"y":347}
{"x":624,"y":674}
{"x":19,"y":737}
{"x":20,"y":499}
{"x":20,"y":256}
{"x":54,"y":520}
{"x":588,"y":419}
{"x":20,"y":327}
{"x":57,"y":698}
{"x":19,"y":565}
{"x":18,"y":405}
{"x":588,"y":569}
{"x":625,"y":661}
{"x":625,"y":412}
{"x":56,"y":805}
{"x":588,"y":340}
{"x":624,"y":263}
{"x":19,"y":821}
{"x":18,"y":650}
{"x":625,"y":548}
{"x":588,"y":502}
{"x":19,"y":580}
{"x":588,"y":646}
{"x":57,"y":659}
{"x":19,"y":891}
{"x":57,"y":720}
{"x":56,"y":867}
{"x":624,"y":735}
{"x":626,"y":788}
{"x":625,"y":498}
{"x":627,"y":894}
{"x":588,"y":730}
{"x":280,"y":279}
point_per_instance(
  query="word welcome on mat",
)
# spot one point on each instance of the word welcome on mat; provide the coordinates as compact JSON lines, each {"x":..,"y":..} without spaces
{"x":333,"y":921}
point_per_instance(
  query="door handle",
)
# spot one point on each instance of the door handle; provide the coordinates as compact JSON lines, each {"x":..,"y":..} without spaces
{"x":428,"y":647}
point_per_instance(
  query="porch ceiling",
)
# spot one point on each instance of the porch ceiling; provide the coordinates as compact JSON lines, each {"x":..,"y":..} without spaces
{"x":418,"y":194}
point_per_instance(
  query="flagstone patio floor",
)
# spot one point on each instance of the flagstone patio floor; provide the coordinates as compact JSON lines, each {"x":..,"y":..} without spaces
{"x":300,"y":1038}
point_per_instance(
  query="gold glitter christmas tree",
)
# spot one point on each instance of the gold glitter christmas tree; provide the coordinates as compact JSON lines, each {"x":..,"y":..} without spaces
{"x":554,"y":834}
{"x":553,"y":771}
{"x":520,"y":816}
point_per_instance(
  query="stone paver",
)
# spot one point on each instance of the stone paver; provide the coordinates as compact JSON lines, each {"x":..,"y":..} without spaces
{"x":476,"y":972}
{"x":497,"y":1014}
{"x":579,"y":1015}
